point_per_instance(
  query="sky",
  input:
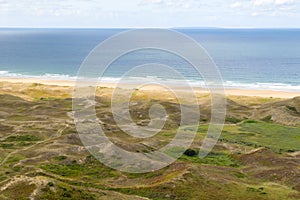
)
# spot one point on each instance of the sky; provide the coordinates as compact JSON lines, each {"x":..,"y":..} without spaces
{"x":150,"y":13}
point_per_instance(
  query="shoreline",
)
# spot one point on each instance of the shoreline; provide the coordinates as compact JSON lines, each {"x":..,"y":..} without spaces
{"x":228,"y":91}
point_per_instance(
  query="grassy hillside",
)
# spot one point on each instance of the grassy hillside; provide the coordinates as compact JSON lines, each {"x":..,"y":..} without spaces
{"x":41,"y":155}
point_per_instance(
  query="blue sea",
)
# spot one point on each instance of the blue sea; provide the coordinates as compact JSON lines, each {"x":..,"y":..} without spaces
{"x":246,"y":58}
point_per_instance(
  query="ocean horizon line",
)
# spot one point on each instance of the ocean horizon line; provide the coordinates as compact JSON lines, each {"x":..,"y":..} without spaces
{"x":173,"y":28}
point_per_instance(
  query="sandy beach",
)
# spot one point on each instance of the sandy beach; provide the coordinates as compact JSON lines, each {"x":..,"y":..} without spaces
{"x":234,"y":92}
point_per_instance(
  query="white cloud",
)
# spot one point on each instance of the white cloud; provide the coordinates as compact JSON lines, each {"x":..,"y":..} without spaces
{"x":166,"y":3}
{"x":236,"y":5}
{"x":272,"y":2}
{"x":262,"y":2}
{"x":283,"y":2}
{"x":156,"y":1}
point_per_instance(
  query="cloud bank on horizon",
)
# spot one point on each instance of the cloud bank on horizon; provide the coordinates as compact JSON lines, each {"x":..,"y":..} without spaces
{"x":150,"y":13}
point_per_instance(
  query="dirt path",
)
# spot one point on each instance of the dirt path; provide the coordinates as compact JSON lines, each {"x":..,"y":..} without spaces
{"x":58,"y":133}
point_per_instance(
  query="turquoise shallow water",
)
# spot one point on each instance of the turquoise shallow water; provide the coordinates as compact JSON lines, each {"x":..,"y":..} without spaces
{"x":246,"y":58}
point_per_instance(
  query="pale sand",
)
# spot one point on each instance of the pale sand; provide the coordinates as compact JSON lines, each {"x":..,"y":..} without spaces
{"x":235,"y":92}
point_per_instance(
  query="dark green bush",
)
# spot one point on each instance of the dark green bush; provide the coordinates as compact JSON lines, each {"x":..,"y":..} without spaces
{"x":267,"y":118}
{"x":233,"y":120}
{"x":292,"y":108}
{"x":190,"y":152}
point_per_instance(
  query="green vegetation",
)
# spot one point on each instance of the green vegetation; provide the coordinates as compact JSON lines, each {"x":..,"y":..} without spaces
{"x":292,"y":108}
{"x":6,"y":145}
{"x":20,"y":191}
{"x":279,"y":138}
{"x":233,"y":120}
{"x":91,"y":169}
{"x":187,"y":190}
{"x":190,"y":152}
{"x":22,"y":138}
{"x":60,"y":158}
{"x":257,"y":156}
{"x":64,"y":192}
{"x":267,"y":118}
{"x":14,"y":159}
{"x":213,"y":158}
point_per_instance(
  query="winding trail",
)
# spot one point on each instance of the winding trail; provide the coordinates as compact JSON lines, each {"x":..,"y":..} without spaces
{"x":58,"y":133}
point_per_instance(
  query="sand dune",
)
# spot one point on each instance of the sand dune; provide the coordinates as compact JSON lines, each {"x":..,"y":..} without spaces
{"x":235,"y":92}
